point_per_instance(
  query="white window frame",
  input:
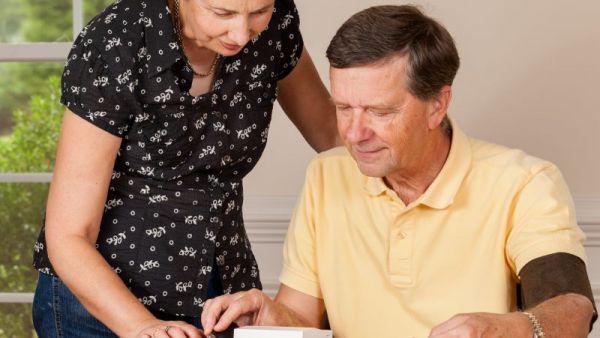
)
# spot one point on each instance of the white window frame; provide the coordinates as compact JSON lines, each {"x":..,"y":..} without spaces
{"x":36,"y":52}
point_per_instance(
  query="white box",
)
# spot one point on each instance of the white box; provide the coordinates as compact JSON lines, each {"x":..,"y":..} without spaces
{"x":280,"y":332}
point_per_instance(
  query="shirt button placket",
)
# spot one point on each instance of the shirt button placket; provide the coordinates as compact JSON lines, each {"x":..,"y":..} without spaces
{"x":401,"y":237}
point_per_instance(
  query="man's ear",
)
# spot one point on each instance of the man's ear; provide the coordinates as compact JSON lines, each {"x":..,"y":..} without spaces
{"x":438,"y":107}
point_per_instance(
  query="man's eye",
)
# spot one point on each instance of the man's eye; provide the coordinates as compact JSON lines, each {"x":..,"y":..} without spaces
{"x":379,"y":113}
{"x":382,"y":113}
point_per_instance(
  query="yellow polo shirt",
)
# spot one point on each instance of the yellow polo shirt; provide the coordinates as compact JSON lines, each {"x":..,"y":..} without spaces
{"x":386,"y":269}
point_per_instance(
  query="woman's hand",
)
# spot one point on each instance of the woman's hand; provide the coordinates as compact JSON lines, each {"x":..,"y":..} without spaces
{"x":168,"y":329}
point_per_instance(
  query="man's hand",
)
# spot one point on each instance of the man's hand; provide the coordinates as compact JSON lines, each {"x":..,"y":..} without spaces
{"x":551,"y":313}
{"x":244,"y":308}
{"x":484,"y":325}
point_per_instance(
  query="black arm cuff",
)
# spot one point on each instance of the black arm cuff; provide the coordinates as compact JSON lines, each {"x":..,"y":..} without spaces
{"x":553,"y":275}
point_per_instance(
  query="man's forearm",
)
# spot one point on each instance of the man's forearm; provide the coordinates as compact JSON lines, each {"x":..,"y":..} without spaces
{"x":564,"y":316}
{"x":552,"y":275}
{"x":284,"y":316}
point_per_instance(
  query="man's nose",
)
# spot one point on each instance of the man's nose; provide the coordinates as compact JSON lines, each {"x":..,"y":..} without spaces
{"x":358,"y":129}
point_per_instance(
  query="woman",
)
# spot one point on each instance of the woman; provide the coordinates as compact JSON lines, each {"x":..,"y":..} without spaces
{"x":168,"y":108}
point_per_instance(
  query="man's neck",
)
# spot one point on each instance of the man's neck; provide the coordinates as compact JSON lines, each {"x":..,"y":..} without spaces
{"x":412,"y":183}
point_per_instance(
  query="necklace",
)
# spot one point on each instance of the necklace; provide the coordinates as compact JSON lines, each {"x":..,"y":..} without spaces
{"x":178,"y":30}
{"x":210,"y":71}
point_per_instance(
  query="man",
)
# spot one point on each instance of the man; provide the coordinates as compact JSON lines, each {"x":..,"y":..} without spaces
{"x":416,"y":229}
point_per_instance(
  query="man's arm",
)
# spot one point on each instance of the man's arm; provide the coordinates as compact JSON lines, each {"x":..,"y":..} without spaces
{"x":562,"y":316}
{"x":552,"y":275}
{"x":554,"y":287}
{"x":290,"y":308}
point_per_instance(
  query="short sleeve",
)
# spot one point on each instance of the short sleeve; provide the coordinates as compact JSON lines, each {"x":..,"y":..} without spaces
{"x":91,"y":92}
{"x":544,"y":220}
{"x":299,"y":250}
{"x":287,"y":24}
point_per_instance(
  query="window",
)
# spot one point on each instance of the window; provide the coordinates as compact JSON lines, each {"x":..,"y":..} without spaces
{"x":35,"y":37}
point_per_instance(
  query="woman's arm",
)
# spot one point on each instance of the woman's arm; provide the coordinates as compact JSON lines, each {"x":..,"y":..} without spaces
{"x":308,"y":104}
{"x":84,"y":163}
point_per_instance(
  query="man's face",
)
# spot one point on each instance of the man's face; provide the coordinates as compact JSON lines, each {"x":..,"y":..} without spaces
{"x":382,"y":124}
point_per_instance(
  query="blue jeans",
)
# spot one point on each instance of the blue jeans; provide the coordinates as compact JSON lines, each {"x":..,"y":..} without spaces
{"x":58,"y":313}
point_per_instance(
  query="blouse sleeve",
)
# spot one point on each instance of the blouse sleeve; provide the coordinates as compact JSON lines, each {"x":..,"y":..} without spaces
{"x":91,"y":92}
{"x":288,"y":26}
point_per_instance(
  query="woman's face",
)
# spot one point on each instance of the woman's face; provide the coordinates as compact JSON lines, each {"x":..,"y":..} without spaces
{"x":224,"y":26}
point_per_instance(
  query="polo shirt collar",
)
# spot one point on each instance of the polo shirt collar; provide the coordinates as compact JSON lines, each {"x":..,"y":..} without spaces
{"x":445,"y":186}
{"x":167,"y":41}
{"x":375,"y":186}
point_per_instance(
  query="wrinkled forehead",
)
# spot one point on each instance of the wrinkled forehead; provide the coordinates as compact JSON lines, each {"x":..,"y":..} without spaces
{"x":374,"y":83}
{"x":238,"y":6}
{"x":386,"y":68}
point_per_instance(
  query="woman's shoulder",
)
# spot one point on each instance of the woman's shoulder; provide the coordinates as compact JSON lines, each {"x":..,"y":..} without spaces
{"x":119,"y":28}
{"x":285,"y":4}
{"x":284,"y":25}
{"x":285,"y":12}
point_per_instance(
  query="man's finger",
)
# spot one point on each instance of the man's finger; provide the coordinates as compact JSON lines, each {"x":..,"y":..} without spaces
{"x":448,"y":325}
{"x":247,"y":304}
{"x":212,"y":311}
{"x":230,"y":314}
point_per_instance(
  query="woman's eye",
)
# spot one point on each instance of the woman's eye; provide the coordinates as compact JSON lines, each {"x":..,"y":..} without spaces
{"x":222,"y":14}
{"x":261,"y":12}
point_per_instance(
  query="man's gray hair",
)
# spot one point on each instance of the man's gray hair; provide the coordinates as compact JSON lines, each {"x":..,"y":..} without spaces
{"x":381,"y":32}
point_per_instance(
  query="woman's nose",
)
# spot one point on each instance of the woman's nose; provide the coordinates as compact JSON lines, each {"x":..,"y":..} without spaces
{"x":240,"y":32}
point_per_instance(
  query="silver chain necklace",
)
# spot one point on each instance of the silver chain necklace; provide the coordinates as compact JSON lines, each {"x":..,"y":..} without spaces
{"x":178,"y":29}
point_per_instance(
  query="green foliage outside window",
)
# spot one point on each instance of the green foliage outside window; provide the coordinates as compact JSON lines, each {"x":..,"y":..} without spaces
{"x":30,"y":148}
{"x":34,"y":21}
{"x":30,"y":116}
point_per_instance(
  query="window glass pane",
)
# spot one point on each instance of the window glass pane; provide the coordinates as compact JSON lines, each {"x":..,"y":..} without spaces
{"x":36,"y":20}
{"x":91,"y":8}
{"x":30,"y":116}
{"x":21,"y":213}
{"x":15,"y":320}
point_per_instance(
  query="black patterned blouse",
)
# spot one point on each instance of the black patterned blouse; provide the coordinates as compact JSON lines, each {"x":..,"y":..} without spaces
{"x":173,"y":215}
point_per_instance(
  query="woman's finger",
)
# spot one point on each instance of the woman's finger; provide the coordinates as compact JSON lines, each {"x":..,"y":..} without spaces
{"x":187,"y":330}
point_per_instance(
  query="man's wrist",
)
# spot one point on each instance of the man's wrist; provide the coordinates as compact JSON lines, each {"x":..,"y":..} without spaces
{"x":538,"y":331}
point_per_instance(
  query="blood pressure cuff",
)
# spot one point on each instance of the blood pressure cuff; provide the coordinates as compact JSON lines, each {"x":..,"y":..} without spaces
{"x":553,"y":275}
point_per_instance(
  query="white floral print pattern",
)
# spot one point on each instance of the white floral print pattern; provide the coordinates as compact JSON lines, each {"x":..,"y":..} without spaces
{"x":173,"y":212}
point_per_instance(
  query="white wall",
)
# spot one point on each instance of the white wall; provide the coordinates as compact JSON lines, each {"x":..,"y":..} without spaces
{"x":528,"y":79}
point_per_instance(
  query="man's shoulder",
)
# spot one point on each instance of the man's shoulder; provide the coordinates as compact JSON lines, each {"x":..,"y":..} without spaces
{"x":334,"y":157}
{"x":491,"y":156}
{"x":336,"y":153}
{"x":333,"y":163}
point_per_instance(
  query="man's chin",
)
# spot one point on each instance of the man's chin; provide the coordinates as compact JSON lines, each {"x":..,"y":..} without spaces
{"x":371,"y":170}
